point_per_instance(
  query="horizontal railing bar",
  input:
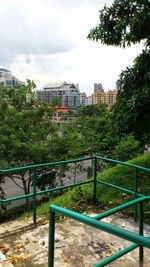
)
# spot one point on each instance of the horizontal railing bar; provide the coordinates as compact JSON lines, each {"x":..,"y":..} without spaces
{"x":119,"y":188}
{"x":64,"y":187}
{"x":121,"y":207}
{"x":133,"y":237}
{"x":16,"y":198}
{"x":124,"y":163}
{"x":30,"y":167}
{"x":36,"y":166}
{"x":45,"y":191}
{"x":116,"y":256}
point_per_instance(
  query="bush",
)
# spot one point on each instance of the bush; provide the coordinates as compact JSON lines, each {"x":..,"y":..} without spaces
{"x":127,"y":148}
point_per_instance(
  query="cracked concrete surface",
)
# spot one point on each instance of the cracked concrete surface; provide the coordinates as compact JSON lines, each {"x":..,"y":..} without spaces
{"x":76,"y":244}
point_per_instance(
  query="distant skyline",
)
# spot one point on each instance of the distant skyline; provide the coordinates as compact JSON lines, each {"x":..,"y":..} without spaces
{"x":46,"y":41}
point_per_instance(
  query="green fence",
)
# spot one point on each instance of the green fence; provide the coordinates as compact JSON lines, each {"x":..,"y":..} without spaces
{"x":139,"y":240}
{"x":34,"y":169}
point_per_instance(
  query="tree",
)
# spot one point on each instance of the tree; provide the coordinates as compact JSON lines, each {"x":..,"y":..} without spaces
{"x":127,"y":148}
{"x":24,"y":131}
{"x":94,"y":126}
{"x":127,"y":22}
{"x":132,"y":110}
{"x":56,"y":102}
{"x":93,"y":110}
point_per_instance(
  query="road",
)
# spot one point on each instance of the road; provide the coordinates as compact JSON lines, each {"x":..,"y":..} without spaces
{"x":11,"y":190}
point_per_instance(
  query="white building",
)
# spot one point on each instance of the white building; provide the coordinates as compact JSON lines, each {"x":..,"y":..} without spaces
{"x":68,"y":94}
{"x":90,"y":100}
{"x":7,"y":79}
{"x":83,"y":99}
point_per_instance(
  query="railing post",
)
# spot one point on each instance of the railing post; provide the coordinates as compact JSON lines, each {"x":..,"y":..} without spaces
{"x":95,"y":177}
{"x":135,"y":194}
{"x":51,"y":239}
{"x":34,"y":196}
{"x":141,"y":254}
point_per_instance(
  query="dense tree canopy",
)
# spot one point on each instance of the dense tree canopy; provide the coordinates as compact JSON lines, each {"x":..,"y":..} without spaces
{"x":94,"y":127}
{"x":24,"y":131}
{"x":25,"y":126}
{"x":93,"y":110}
{"x":124,"y":23}
{"x":132,"y":110}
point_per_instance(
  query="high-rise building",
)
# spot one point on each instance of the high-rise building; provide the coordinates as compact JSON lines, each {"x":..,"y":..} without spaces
{"x":83,"y":99}
{"x":89,"y":102}
{"x":111,"y":96}
{"x":7,"y":79}
{"x":68,"y":94}
{"x":108,"y":98}
{"x":98,"y":86}
{"x":98,"y":96}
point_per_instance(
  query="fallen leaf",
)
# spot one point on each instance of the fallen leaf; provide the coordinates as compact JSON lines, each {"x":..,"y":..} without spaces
{"x":4,"y":249}
{"x":20,"y":245}
{"x":15,"y":258}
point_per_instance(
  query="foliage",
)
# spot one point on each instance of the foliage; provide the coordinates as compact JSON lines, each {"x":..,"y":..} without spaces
{"x":24,"y":131}
{"x":66,"y":143}
{"x":93,"y":110}
{"x":94,"y":128}
{"x":123,"y":23}
{"x":25,"y":126}
{"x":127,"y":148}
{"x":56,"y":102}
{"x":132,"y":110}
{"x":69,"y":199}
{"x":124,"y":177}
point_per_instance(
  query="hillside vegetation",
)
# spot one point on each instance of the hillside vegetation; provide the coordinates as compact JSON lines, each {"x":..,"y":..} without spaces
{"x":124,"y":177}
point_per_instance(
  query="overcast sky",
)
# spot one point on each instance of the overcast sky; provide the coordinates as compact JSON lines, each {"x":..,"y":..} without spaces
{"x":46,"y":41}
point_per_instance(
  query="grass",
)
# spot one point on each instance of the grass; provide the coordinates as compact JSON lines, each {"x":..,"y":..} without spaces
{"x":124,"y":177}
{"x":75,"y":199}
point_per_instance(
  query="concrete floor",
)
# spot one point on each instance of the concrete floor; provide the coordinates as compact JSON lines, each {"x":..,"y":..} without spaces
{"x":76,"y":244}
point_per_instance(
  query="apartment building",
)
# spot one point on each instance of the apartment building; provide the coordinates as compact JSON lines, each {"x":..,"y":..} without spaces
{"x":111,"y":96}
{"x":98,"y":96}
{"x":108,"y":98}
{"x":67,"y":93}
{"x":98,"y":86}
{"x":83,"y":99}
{"x":90,"y":100}
{"x":7,"y":79}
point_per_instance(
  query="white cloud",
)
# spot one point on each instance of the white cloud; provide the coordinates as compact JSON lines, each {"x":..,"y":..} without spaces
{"x":46,"y":40}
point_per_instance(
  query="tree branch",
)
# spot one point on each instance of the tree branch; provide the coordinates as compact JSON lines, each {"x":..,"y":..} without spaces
{"x":16,"y":183}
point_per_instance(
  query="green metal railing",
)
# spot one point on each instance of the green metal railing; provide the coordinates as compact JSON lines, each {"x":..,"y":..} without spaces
{"x":35,"y":193}
{"x":95,"y":159}
{"x":138,"y":200}
{"x":138,"y":239}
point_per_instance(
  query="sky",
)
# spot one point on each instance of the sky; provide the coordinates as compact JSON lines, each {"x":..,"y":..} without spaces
{"x":46,"y":41}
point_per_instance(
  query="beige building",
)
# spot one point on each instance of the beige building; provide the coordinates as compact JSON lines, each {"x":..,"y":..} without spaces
{"x":98,"y":96}
{"x":108,"y":98}
{"x":111,"y":96}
